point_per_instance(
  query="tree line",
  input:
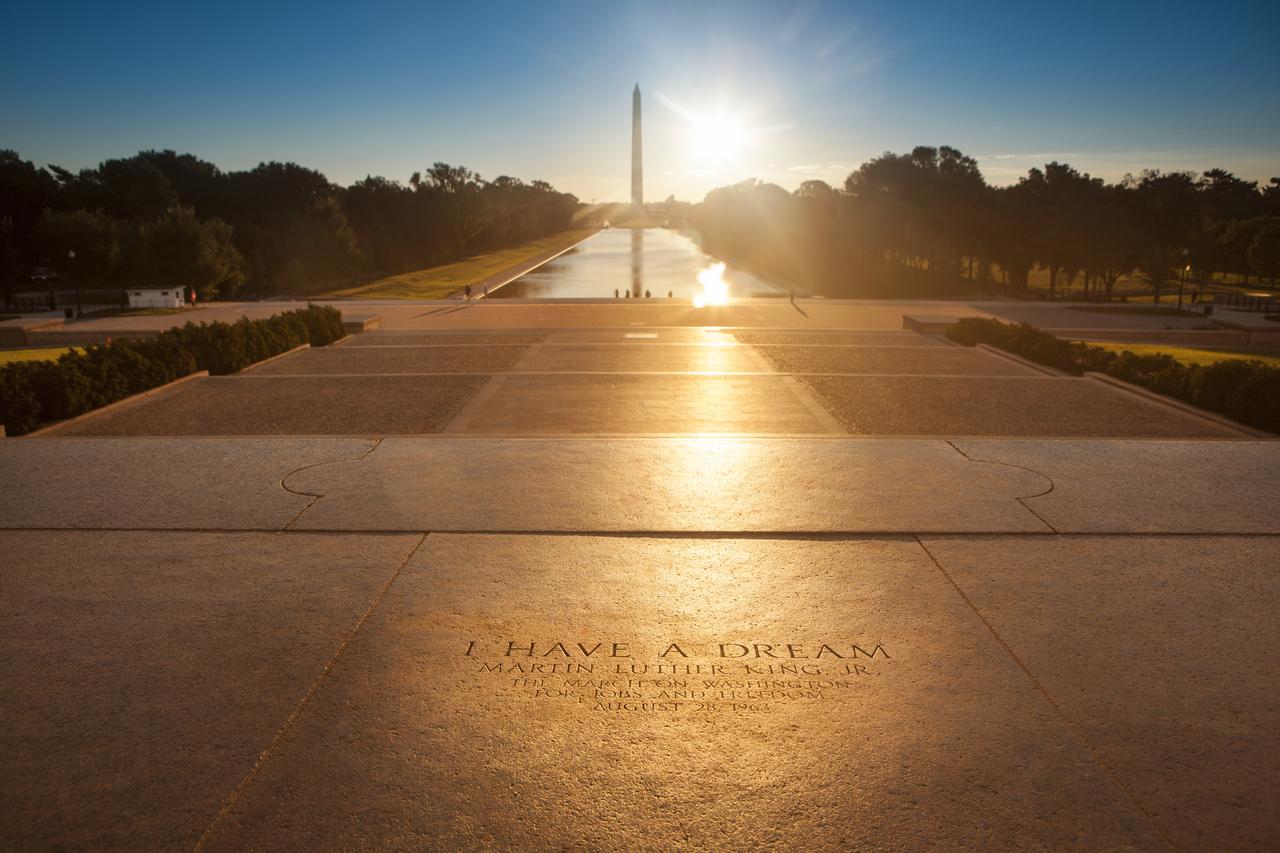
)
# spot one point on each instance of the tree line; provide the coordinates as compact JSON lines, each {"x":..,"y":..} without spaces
{"x":168,"y":219}
{"x":928,"y":222}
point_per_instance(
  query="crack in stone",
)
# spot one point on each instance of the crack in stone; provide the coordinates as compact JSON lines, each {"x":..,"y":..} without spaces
{"x":315,"y":497}
{"x":1040,"y":474}
{"x":1021,"y":499}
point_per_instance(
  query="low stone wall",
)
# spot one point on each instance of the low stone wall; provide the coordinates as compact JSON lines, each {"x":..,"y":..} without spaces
{"x":19,"y":332}
{"x":354,"y":324}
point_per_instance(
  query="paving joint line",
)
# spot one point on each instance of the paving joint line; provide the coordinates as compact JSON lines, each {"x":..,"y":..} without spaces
{"x":560,"y":435}
{"x":692,"y":373}
{"x":1028,"y":508}
{"x":478,"y":400}
{"x":527,"y":356}
{"x":802,"y":391}
{"x":851,"y":533}
{"x":1062,"y":714}
{"x":289,"y":722}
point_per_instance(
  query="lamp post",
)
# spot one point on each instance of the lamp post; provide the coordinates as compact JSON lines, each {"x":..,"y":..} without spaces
{"x":1182,"y":283}
{"x":71,"y":259}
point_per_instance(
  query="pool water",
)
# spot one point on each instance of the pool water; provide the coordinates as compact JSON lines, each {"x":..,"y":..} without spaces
{"x":635,"y":259}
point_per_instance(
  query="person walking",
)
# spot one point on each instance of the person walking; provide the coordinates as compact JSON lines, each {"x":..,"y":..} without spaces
{"x":466,"y":293}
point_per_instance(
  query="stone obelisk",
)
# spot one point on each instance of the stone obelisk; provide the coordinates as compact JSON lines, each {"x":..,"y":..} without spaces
{"x":637,"y":164}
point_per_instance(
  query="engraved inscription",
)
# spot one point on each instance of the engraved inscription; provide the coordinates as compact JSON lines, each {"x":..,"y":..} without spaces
{"x":621,"y":676}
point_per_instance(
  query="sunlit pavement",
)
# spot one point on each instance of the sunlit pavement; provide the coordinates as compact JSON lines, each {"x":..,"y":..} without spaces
{"x":577,"y":580}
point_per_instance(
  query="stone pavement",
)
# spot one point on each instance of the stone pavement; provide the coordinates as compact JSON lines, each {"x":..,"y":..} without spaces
{"x":648,"y":381}
{"x":861,"y":314}
{"x":640,"y":587}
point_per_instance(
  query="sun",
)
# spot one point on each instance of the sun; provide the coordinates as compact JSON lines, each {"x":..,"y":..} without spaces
{"x":717,"y":139}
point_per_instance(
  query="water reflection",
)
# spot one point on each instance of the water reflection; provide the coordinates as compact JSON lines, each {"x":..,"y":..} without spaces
{"x":637,"y":260}
{"x":653,"y":259}
{"x":715,"y":290}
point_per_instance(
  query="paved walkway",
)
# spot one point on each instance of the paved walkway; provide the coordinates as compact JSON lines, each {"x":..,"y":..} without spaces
{"x":639,"y":587}
{"x":651,"y":381}
{"x":774,"y":313}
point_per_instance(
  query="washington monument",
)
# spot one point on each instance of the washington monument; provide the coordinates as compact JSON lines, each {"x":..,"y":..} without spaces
{"x":637,"y":164}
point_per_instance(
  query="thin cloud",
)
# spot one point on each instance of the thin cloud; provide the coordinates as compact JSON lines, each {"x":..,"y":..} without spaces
{"x":833,"y":46}
{"x":797,"y":23}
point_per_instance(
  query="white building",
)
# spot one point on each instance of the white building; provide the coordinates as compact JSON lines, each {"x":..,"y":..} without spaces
{"x":156,"y":298}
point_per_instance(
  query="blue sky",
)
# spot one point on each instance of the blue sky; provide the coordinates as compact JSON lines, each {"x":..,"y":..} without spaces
{"x":542,"y":89}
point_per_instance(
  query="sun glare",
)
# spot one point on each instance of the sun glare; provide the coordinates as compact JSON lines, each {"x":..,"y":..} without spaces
{"x":718,"y":138}
{"x":715,"y":290}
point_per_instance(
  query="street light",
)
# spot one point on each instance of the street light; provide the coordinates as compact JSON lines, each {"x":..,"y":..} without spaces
{"x":71,"y":257}
{"x":1182,"y":278}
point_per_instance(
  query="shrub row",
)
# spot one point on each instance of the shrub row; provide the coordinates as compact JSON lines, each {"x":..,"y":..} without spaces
{"x":36,"y":392}
{"x":1247,"y":391}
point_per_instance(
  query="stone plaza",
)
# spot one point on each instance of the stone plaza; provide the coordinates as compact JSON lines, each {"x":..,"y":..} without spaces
{"x":632,"y":575}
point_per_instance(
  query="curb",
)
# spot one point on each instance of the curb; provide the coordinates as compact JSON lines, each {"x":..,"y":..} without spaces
{"x":340,"y":341}
{"x":273,"y":358}
{"x":1017,"y":359}
{"x":361,"y":323}
{"x":506,"y":276}
{"x":1185,"y":408}
{"x":118,"y":404}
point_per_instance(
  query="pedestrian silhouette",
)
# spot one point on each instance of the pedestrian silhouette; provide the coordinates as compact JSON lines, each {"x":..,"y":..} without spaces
{"x":466,"y":293}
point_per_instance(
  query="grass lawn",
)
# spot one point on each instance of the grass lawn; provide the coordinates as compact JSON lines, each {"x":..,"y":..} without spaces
{"x":439,"y":282}
{"x":1137,"y":289}
{"x":1188,"y":355}
{"x":46,"y":354}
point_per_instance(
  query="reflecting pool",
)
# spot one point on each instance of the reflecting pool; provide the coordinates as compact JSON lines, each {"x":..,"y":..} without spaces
{"x":635,"y":259}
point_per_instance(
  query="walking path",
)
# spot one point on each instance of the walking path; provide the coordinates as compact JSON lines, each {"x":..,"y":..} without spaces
{"x":533,"y":575}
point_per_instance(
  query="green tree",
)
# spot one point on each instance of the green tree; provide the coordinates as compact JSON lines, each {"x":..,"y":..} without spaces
{"x":1264,"y":251}
{"x":1168,"y":216}
{"x":180,"y":250}
{"x":1234,"y":240}
{"x":83,"y":245}
{"x":919,"y":206}
{"x":25,"y":191}
{"x":8,"y":260}
{"x":1059,"y":205}
{"x":1107,"y":222}
{"x":131,"y":188}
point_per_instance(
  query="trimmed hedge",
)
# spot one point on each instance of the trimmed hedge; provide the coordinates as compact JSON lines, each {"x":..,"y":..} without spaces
{"x":37,"y":392}
{"x":1247,"y":391}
